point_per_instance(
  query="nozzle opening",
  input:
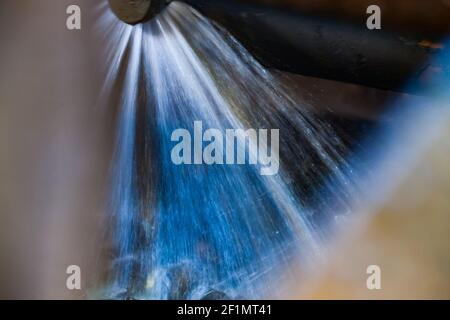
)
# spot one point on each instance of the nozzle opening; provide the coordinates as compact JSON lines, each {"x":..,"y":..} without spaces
{"x":137,"y":11}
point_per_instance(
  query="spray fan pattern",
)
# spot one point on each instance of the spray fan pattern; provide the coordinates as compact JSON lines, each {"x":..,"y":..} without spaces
{"x":202,"y":231}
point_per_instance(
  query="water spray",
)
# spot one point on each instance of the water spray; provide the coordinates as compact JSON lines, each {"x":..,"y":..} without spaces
{"x":137,"y":11}
{"x":210,"y":230}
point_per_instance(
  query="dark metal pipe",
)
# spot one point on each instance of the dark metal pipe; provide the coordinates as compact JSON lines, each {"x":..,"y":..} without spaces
{"x":310,"y":45}
{"x":327,"y":48}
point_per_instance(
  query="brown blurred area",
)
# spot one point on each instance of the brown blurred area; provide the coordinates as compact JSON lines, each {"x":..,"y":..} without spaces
{"x":54,"y":149}
{"x":407,"y":236}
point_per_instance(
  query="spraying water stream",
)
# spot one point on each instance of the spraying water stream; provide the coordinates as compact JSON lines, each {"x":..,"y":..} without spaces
{"x":195,"y":231}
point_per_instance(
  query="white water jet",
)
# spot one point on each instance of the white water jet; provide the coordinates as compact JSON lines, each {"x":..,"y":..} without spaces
{"x":182,"y":232}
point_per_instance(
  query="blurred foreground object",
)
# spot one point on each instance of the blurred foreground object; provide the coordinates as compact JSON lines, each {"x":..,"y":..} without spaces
{"x":54,"y":150}
{"x":407,"y":237}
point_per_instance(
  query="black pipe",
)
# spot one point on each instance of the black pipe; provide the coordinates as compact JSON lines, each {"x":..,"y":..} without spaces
{"x":309,"y":45}
{"x":318,"y":47}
